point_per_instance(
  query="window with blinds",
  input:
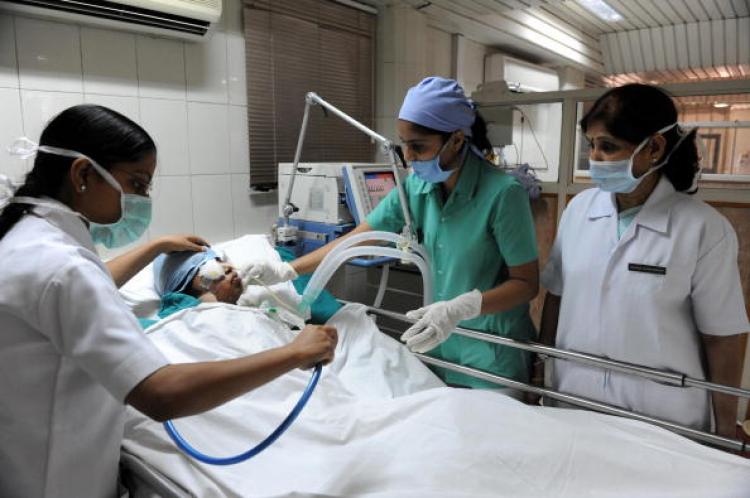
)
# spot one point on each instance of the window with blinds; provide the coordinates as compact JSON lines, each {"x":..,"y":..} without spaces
{"x":294,"y":47}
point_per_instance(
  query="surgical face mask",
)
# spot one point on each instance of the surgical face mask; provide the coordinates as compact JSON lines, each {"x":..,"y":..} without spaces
{"x":617,"y":176}
{"x":135,"y":210}
{"x":430,"y":170}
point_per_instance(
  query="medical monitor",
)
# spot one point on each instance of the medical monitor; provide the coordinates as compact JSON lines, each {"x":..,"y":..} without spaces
{"x":366,"y":186}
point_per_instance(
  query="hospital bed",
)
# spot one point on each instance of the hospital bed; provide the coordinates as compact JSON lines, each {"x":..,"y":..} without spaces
{"x":381,"y":424}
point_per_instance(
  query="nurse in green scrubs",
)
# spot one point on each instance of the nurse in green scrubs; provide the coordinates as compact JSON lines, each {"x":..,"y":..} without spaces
{"x":476,"y":225}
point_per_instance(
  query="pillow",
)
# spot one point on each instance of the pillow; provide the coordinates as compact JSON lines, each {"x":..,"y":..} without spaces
{"x":139,"y":292}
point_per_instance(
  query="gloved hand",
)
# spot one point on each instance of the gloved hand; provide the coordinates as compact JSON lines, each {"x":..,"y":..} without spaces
{"x":436,"y":321}
{"x":268,"y":272}
{"x":253,"y":296}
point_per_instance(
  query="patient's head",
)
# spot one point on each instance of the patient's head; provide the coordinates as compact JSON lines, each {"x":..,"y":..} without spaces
{"x":204,"y":275}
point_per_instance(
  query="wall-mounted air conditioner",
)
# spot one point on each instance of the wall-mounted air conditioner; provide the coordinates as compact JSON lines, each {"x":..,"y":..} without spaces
{"x":520,"y":76}
{"x":187,"y":19}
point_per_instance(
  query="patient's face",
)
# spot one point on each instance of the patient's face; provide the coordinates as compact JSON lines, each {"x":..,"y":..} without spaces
{"x":227,"y":289}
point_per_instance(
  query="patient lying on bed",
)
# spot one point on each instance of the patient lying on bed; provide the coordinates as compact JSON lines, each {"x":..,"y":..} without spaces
{"x":380,"y":424}
{"x":187,"y":279}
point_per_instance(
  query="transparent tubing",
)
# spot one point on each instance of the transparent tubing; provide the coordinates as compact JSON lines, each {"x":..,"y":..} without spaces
{"x":377,"y":235}
{"x":333,"y":261}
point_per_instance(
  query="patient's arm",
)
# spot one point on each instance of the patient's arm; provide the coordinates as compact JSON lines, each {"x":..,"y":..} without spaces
{"x":189,"y":388}
{"x":725,"y":356}
{"x":309,"y":262}
{"x":125,"y":266}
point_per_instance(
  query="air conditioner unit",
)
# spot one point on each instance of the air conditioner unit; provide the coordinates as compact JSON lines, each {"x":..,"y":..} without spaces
{"x":520,"y":76}
{"x":186,"y":19}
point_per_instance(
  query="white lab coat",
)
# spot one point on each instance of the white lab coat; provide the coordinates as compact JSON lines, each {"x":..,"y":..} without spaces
{"x":645,"y":298}
{"x":70,"y":352}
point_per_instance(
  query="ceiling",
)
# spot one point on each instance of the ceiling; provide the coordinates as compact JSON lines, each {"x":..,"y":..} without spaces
{"x":657,"y":40}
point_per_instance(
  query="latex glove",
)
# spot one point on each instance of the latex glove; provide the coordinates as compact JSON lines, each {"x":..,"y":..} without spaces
{"x":268,"y":272}
{"x":437,"y":321}
{"x":253,"y":296}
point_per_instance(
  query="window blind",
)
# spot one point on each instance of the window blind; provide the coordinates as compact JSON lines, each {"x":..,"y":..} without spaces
{"x":294,"y":47}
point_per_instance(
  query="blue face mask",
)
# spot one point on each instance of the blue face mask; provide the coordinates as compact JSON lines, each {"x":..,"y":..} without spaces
{"x":135,"y":210}
{"x":617,"y":176}
{"x":430,"y":170}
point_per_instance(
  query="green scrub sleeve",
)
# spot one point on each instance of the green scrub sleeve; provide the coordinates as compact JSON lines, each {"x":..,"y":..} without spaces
{"x":387,"y":216}
{"x":513,"y":227}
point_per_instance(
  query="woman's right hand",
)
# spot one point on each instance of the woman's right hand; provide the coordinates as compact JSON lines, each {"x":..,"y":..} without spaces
{"x":315,"y":344}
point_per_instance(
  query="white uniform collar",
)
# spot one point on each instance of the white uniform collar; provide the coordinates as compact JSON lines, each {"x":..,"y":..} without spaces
{"x":654,"y":214}
{"x":67,"y":220}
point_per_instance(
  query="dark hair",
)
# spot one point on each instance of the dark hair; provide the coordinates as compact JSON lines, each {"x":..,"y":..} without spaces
{"x":478,"y":134}
{"x":102,"y":134}
{"x":633,"y":113}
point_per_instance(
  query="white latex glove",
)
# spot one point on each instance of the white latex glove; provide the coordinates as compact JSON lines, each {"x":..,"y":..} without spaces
{"x":253,"y":296}
{"x":268,"y":272}
{"x":437,"y":321}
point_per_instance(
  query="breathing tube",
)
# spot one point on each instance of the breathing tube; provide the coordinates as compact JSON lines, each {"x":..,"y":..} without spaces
{"x":347,"y":249}
{"x":339,"y":255}
{"x":231,"y":460}
{"x":182,"y":444}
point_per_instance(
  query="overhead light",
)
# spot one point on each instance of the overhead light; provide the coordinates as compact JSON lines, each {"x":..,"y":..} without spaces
{"x":602,"y":10}
{"x":720,"y":105}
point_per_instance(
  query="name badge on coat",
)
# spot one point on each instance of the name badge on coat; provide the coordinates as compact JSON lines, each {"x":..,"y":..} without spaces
{"x":656,"y":270}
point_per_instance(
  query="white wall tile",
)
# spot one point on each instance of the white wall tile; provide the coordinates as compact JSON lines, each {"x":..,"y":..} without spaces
{"x":49,"y":55}
{"x":253,"y":213}
{"x":11,"y":127}
{"x":208,"y":138}
{"x":127,"y":106}
{"x":166,"y":122}
{"x":239,"y":154}
{"x":161,"y":68}
{"x":39,"y":107}
{"x":109,"y":64}
{"x":8,"y":64}
{"x":206,"y":69}
{"x":173,"y":209}
{"x":212,"y":207}
{"x":236,"y":69}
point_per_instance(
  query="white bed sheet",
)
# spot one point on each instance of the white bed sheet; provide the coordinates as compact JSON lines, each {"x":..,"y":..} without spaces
{"x":364,"y":434}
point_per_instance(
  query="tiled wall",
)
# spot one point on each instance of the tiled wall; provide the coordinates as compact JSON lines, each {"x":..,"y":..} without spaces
{"x":190,"y":96}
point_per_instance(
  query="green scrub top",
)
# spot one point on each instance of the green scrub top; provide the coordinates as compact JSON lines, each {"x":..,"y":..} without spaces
{"x":484,"y":227}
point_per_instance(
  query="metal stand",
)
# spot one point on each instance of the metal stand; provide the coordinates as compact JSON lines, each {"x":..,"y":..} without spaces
{"x":387,"y":147}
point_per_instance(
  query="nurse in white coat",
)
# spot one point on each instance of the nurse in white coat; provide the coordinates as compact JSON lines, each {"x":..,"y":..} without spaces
{"x":71,"y":352}
{"x":643,"y":272}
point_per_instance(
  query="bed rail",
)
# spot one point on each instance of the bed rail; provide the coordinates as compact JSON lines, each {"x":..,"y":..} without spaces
{"x":676,"y":379}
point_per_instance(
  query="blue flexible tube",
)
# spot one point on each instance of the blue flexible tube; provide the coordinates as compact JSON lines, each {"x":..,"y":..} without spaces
{"x":185,"y":446}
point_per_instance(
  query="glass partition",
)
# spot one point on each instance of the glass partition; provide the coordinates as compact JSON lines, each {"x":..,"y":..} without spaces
{"x":527,"y":134}
{"x":723,"y":127}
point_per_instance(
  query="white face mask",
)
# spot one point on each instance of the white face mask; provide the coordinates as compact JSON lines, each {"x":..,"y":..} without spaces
{"x":617,"y":176}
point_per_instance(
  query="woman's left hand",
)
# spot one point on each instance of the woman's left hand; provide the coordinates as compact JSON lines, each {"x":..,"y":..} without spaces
{"x":173,"y":243}
{"x":436,"y":321}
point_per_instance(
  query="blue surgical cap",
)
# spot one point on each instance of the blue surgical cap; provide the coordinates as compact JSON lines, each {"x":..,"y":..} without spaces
{"x":174,"y":271}
{"x":439,"y":104}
